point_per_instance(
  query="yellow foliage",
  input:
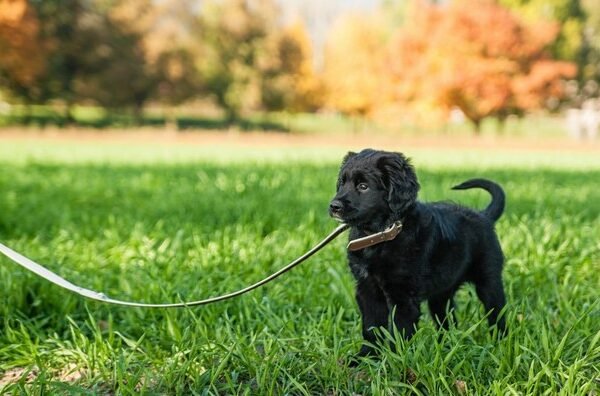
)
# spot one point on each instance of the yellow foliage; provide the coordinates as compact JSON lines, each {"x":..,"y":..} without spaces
{"x":12,"y":11}
{"x":354,"y":65}
{"x":306,"y":85}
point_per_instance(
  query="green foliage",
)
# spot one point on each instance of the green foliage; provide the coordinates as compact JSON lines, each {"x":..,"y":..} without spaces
{"x":183,"y":230}
{"x":83,"y":47}
{"x":591,"y":56}
{"x":570,"y":16}
{"x":249,"y":62}
{"x":248,"y":56}
{"x":100,"y":52}
{"x":120,"y":64}
{"x":60,"y":37}
{"x":228,"y":66}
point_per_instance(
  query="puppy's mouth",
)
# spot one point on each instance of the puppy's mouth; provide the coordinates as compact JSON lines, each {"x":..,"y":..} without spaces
{"x":342,"y":213}
{"x":343,"y":217}
{"x":352,"y":219}
{"x":337,"y":217}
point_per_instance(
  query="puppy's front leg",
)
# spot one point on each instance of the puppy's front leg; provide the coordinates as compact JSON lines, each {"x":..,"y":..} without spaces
{"x":374,"y":311}
{"x":406,"y":315}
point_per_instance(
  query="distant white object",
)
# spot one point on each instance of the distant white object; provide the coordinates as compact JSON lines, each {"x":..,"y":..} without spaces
{"x":584,"y":123}
{"x":457,"y":116}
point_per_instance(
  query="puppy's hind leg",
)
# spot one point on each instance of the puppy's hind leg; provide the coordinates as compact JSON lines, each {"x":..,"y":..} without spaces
{"x":491,"y":293}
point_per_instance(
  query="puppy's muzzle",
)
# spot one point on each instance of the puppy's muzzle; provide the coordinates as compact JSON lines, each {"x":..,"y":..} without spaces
{"x":336,"y":208}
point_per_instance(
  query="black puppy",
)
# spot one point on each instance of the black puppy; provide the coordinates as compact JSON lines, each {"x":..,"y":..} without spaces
{"x":439,"y":247}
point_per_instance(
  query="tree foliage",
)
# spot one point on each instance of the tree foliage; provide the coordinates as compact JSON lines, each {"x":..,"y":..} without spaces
{"x":112,"y":53}
{"x":354,"y":69}
{"x":289,"y":79}
{"x":590,"y":68}
{"x":567,"y":14}
{"x":140,"y":49}
{"x":250,"y":62}
{"x":489,"y":58}
{"x":21,"y":50}
{"x":72,"y":29}
{"x":233,"y":35}
{"x":481,"y":59}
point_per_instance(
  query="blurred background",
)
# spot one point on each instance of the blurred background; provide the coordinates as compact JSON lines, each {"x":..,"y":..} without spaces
{"x":504,"y":67}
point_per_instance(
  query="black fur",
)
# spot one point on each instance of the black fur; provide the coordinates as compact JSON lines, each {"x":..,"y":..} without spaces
{"x":440,"y":247}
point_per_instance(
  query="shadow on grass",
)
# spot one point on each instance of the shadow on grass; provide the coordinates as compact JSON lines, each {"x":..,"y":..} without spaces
{"x":49,"y":118}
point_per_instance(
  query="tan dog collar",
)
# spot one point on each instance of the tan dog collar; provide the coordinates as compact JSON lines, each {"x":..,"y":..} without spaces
{"x":387,"y":235}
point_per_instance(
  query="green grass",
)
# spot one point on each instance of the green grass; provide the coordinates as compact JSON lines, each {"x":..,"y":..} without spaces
{"x":198,"y":117}
{"x":189,"y":225}
{"x":42,"y":116}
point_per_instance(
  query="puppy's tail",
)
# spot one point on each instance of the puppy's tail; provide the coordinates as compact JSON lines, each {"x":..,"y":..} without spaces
{"x":496,"y":207}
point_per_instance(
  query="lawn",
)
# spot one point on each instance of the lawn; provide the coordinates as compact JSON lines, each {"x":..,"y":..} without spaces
{"x":161,"y":224}
{"x":204,"y":117}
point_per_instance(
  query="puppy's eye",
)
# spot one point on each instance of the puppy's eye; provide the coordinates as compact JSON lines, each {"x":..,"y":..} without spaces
{"x":362,"y":187}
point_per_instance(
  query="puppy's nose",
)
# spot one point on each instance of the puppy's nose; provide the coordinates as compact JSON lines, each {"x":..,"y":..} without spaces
{"x":336,"y":206}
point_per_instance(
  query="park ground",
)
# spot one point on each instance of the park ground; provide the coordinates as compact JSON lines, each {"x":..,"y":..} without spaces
{"x":156,"y":216}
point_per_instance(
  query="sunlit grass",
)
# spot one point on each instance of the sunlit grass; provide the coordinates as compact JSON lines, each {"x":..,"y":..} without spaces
{"x":170,"y":150}
{"x":191,"y":224}
{"x":206,"y":117}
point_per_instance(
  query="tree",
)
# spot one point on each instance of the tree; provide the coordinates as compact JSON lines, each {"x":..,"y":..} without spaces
{"x":308,"y":87}
{"x":174,"y":51}
{"x":22,"y":51}
{"x":166,"y":38}
{"x":69,"y":28}
{"x":234,"y":34}
{"x":354,"y":65}
{"x":55,"y":49}
{"x":567,"y":14}
{"x":143,"y":52}
{"x":142,"y":56}
{"x":287,"y":73}
{"x":117,"y":75}
{"x":590,"y":72}
{"x":478,"y":57}
{"x":248,"y":61}
{"x":119,"y":54}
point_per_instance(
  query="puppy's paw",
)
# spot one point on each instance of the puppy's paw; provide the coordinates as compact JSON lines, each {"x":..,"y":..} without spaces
{"x":352,"y":361}
{"x":500,"y":331}
{"x":365,"y":351}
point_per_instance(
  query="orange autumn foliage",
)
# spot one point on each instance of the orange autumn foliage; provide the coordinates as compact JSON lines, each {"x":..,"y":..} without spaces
{"x":21,"y":51}
{"x":476,"y":56}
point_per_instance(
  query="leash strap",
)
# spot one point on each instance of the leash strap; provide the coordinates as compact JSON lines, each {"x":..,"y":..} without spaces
{"x":43,"y":272}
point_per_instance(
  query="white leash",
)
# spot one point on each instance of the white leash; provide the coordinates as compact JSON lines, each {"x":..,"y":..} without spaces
{"x":43,"y":272}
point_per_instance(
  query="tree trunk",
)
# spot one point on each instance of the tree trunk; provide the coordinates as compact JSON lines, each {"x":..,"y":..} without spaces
{"x":477,"y":125}
{"x":171,"y":119}
{"x":27,"y":115}
{"x":501,"y":124}
{"x":138,"y":114}
{"x":68,"y":116}
{"x":231,"y":117}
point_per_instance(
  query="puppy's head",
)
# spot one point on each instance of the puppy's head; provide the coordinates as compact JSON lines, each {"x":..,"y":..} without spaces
{"x":374,"y":187}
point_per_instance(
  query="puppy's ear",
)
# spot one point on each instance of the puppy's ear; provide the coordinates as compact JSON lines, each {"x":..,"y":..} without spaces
{"x":344,"y":161}
{"x":347,"y":157}
{"x":400,"y":179}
